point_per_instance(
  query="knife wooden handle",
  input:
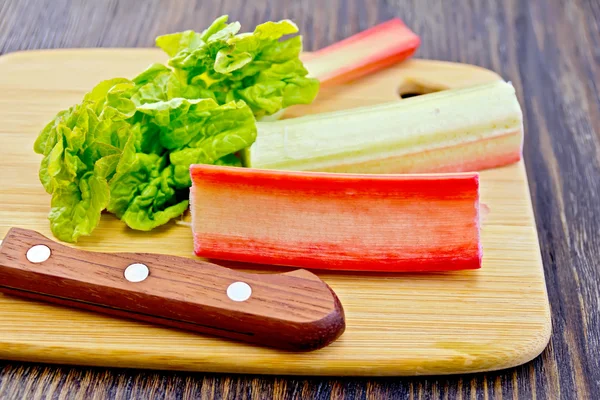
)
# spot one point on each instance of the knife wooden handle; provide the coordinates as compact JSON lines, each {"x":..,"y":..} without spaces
{"x":293,"y":310}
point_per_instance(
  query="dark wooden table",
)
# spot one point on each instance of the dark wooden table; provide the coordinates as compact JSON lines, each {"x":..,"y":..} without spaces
{"x":550,"y":50}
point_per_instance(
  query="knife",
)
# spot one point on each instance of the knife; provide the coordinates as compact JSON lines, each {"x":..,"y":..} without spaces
{"x":293,"y":311}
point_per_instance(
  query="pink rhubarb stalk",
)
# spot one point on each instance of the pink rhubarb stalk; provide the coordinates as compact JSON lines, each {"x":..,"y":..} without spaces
{"x":333,"y":221}
{"x":363,"y":53}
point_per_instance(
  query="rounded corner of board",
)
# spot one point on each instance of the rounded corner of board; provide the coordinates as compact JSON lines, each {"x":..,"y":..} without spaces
{"x":530,"y":348}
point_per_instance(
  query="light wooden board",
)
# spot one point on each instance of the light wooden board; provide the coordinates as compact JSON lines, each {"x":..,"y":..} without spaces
{"x":492,"y":318}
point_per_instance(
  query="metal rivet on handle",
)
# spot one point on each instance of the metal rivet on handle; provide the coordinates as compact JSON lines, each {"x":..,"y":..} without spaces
{"x":136,"y":272}
{"x":38,"y":253}
{"x":239,"y":291}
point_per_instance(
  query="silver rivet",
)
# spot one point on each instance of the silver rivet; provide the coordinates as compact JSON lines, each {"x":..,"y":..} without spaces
{"x":38,"y":253}
{"x":239,"y":291}
{"x":136,"y":272}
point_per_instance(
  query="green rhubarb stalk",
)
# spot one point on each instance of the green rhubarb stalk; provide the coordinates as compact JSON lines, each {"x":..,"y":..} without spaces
{"x":456,"y":130}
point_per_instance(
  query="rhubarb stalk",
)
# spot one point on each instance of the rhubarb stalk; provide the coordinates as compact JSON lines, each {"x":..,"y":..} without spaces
{"x":458,"y":130}
{"x":363,"y":53}
{"x":425,"y":222}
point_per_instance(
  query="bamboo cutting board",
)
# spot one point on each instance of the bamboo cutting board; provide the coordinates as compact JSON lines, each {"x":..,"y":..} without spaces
{"x":443,"y":323}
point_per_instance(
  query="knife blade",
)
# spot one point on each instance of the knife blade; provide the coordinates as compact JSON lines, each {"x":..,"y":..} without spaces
{"x":293,"y":311}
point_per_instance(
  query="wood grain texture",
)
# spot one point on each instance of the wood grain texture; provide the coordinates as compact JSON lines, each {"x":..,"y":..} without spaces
{"x":293,"y":311}
{"x":549,"y":49}
{"x":397,"y":324}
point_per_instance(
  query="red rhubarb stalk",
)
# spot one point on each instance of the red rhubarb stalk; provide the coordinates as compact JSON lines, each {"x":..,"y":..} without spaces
{"x":363,"y":53}
{"x":361,"y":222}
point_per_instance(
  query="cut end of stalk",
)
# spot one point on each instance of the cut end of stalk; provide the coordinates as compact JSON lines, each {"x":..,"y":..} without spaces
{"x":359,"y":222}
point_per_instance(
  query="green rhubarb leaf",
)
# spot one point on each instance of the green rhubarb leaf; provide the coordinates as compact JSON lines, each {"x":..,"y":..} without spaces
{"x":190,"y":40}
{"x":128,"y":146}
{"x":81,"y":146}
{"x":149,"y":189}
{"x":230,"y":160}
{"x":260,"y":68}
{"x":76,"y":207}
{"x":142,"y":192}
{"x":175,"y":42}
{"x":180,"y":119}
{"x":159,"y":83}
